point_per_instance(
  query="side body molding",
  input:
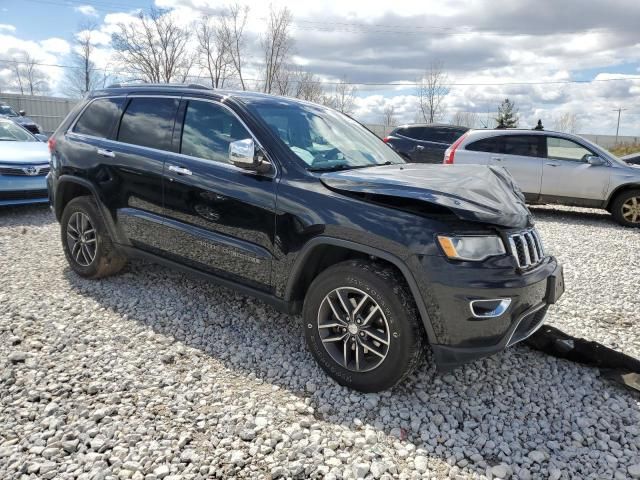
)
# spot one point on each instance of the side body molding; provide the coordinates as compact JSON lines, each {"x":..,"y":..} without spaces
{"x":301,"y":260}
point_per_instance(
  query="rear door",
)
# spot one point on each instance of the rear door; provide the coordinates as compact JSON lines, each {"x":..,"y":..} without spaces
{"x":219,"y":218}
{"x":413,"y":144}
{"x":133,"y":183}
{"x":567,"y":176}
{"x":522,"y":156}
{"x":435,"y":140}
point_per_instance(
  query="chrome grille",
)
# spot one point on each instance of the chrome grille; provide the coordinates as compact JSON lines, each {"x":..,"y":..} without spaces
{"x":526,"y":248}
{"x":24,"y":170}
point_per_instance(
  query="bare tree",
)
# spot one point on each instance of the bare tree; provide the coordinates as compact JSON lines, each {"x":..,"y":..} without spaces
{"x":29,"y":78}
{"x":83,"y":74}
{"x":214,"y":50}
{"x":389,"y":116}
{"x":308,"y":87}
{"x":343,"y":98}
{"x":154,"y":47}
{"x":567,"y":122}
{"x":232,"y":30}
{"x":466,"y":119}
{"x":276,"y":46}
{"x":431,"y":91}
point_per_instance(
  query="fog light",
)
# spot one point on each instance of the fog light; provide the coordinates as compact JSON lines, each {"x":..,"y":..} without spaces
{"x":489,"y":308}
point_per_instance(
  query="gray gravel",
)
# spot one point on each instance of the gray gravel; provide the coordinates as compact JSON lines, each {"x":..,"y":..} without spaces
{"x":155,"y":375}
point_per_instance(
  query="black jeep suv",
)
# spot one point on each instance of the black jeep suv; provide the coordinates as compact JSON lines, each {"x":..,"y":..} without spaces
{"x":304,"y":208}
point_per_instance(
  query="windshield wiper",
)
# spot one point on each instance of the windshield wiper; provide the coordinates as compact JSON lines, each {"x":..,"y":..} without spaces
{"x":344,"y":166}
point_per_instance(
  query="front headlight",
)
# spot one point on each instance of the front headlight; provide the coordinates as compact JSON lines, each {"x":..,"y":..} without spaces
{"x":474,"y":248}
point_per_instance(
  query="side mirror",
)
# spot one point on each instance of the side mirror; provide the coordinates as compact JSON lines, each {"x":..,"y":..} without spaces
{"x":41,"y":137}
{"x":595,"y":160}
{"x":243,"y":154}
{"x":22,"y":113}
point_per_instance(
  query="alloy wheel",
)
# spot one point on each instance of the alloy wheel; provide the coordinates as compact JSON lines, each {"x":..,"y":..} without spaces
{"x":353,"y":329}
{"x":631,"y":210}
{"x":81,"y":239}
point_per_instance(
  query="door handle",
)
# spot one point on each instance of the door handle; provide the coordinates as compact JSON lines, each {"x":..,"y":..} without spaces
{"x":419,"y":147}
{"x":180,"y":170}
{"x":552,"y":164}
{"x":106,"y":153}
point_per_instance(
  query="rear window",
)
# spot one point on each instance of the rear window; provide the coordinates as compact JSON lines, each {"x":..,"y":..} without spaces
{"x":411,"y":132}
{"x":99,"y":117}
{"x":148,"y":122}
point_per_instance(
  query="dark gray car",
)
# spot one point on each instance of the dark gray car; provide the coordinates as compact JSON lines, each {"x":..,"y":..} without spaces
{"x":423,"y":143}
{"x":20,"y":118}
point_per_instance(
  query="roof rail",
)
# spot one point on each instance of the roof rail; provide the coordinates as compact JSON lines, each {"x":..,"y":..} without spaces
{"x":160,"y":85}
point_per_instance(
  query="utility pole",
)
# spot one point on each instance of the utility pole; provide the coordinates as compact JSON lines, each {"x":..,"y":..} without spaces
{"x":619,"y":110}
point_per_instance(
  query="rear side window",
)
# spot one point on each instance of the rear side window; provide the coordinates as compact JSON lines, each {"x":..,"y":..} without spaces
{"x":208,"y":130}
{"x":417,"y":133}
{"x":148,"y":122}
{"x":523,"y":145}
{"x":440,"y":134}
{"x":99,"y":118}
{"x":490,"y":145}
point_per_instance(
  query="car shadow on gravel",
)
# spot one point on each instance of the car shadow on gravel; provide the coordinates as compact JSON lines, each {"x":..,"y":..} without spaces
{"x":573,"y":216}
{"x":490,"y":414}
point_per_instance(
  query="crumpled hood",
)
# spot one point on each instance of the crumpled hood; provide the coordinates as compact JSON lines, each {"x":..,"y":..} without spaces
{"x":472,"y":192}
{"x":24,"y":152}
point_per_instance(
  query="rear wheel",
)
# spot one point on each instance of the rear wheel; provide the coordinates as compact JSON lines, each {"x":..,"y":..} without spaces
{"x":625,"y":208}
{"x":362,"y":327}
{"x":86,"y":242}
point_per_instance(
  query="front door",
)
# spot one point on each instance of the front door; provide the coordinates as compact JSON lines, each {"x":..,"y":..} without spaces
{"x":567,"y":177}
{"x":219,"y":218}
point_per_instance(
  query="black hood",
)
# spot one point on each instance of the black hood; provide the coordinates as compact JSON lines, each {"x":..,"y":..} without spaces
{"x":20,"y":120}
{"x":472,"y":192}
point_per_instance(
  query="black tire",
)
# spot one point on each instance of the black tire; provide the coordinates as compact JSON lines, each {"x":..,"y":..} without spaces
{"x":622,"y":205}
{"x":106,"y":260}
{"x":387,"y":289}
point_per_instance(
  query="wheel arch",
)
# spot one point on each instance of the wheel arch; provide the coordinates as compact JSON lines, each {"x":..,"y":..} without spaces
{"x":69,"y":187}
{"x":618,"y":190}
{"x":312,"y":260}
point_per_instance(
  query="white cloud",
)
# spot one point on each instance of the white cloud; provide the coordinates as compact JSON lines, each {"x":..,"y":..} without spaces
{"x":87,"y":10}
{"x":55,"y":45}
{"x":7,"y":28}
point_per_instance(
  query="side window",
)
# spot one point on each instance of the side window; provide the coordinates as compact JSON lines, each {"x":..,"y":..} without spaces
{"x":99,"y":117}
{"x":417,"y":133}
{"x":148,"y":122}
{"x":208,"y":130}
{"x":564,"y":149}
{"x":523,"y":145}
{"x":490,"y":145}
{"x":437,"y":134}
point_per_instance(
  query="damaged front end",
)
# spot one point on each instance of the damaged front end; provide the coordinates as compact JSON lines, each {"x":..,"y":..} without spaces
{"x":471,"y":192}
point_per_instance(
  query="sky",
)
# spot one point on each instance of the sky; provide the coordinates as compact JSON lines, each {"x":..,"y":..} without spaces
{"x":551,"y":58}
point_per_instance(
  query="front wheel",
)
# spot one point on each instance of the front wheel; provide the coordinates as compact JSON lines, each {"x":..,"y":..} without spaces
{"x":362,"y":327}
{"x":625,"y":208}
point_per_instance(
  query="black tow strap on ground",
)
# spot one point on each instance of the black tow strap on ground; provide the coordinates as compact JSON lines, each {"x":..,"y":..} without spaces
{"x":613,"y":365}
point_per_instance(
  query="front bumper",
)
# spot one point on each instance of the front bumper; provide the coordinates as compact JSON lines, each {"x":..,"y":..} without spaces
{"x":19,"y":190}
{"x":460,"y":336}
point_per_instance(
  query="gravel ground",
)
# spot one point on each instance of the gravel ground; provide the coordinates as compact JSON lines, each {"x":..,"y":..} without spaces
{"x":152,"y":374}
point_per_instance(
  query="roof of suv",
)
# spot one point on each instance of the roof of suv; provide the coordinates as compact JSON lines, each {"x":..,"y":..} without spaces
{"x":192,"y":89}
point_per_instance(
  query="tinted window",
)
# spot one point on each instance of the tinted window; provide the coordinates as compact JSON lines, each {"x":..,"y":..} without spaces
{"x":563,"y":149}
{"x":99,"y":117}
{"x":149,"y":122}
{"x":417,"y":133}
{"x":524,"y":145}
{"x":440,"y":135}
{"x":491,"y":145}
{"x":208,"y":130}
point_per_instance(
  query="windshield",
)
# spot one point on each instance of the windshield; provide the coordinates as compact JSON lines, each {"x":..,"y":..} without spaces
{"x":8,"y":111}
{"x":10,"y":132}
{"x":323,"y":138}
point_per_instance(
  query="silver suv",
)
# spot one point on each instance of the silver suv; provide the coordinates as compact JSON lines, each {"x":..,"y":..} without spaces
{"x":553,"y":167}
